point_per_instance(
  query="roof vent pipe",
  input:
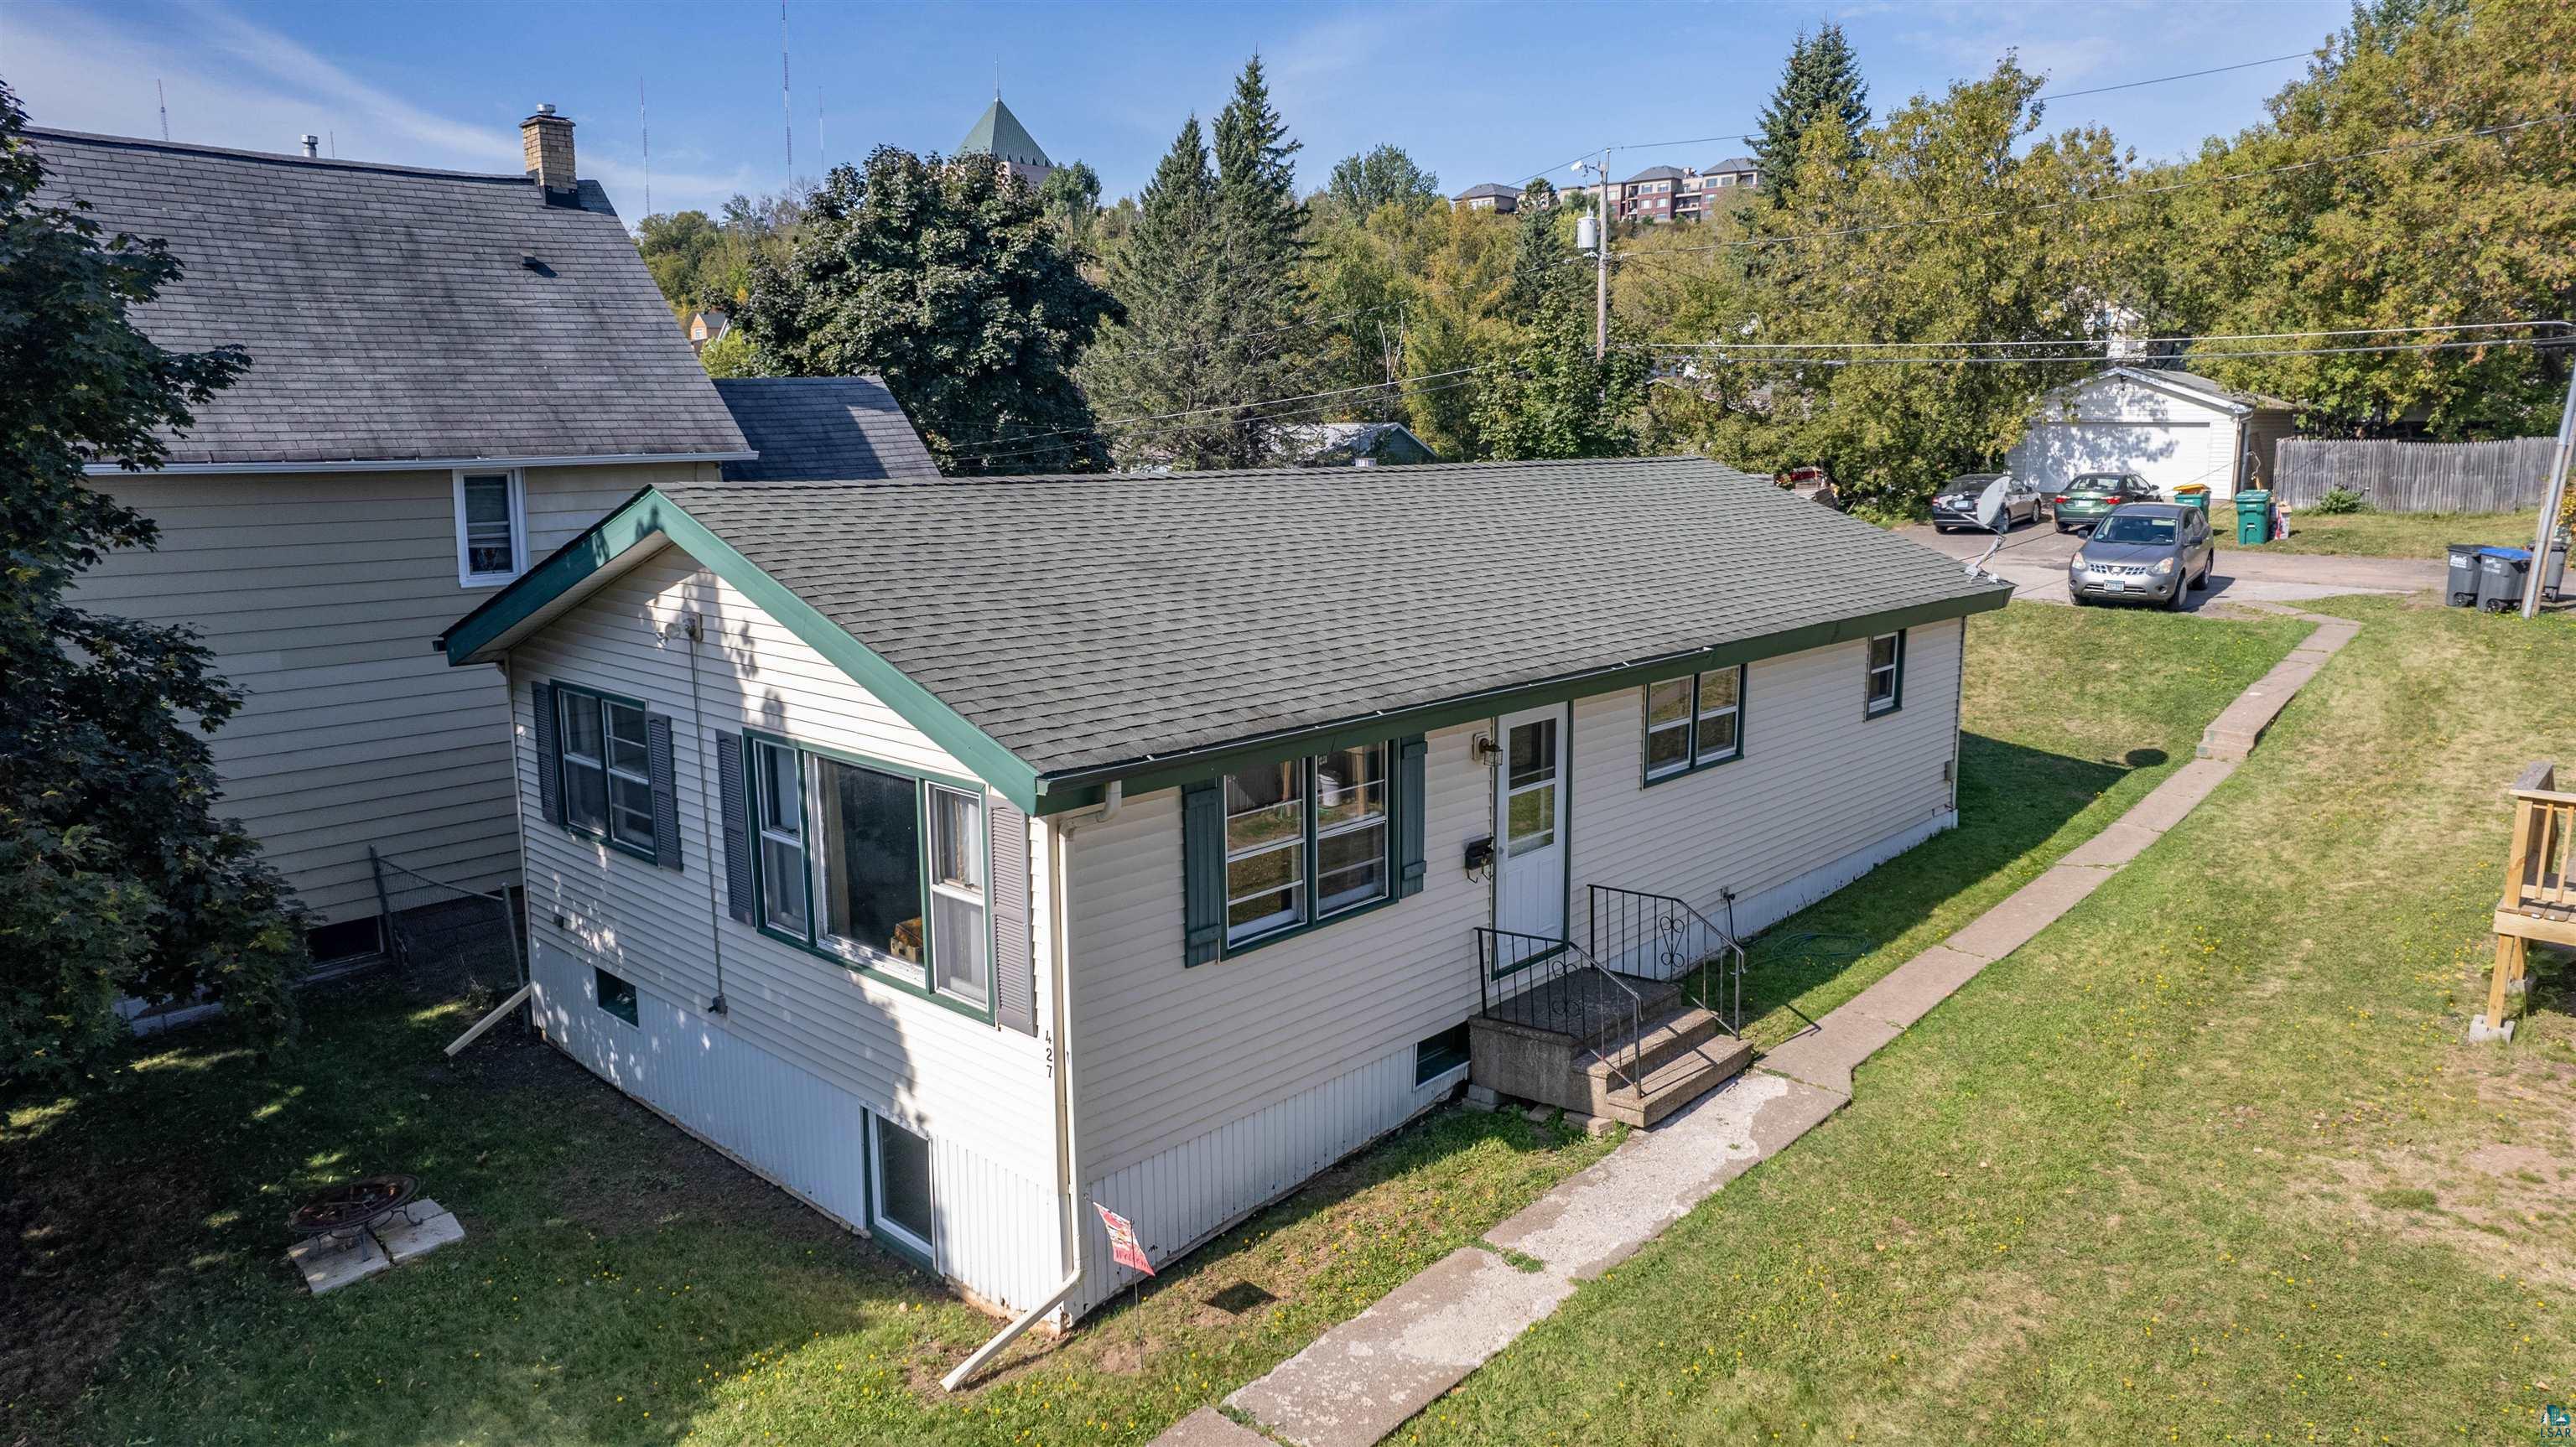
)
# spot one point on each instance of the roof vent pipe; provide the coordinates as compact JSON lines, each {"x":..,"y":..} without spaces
{"x":312,"y":146}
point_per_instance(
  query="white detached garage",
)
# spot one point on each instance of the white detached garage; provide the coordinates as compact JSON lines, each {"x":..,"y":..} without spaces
{"x":2170,"y":428}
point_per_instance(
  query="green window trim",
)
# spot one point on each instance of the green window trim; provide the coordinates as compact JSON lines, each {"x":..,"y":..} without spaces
{"x":1392,"y":886}
{"x":599,"y":700}
{"x":893,"y":973}
{"x":1870,"y":670}
{"x":1694,"y":760}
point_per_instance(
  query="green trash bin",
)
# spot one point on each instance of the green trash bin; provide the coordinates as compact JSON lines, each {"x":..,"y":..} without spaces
{"x":2194,"y":494}
{"x":2253,"y":517}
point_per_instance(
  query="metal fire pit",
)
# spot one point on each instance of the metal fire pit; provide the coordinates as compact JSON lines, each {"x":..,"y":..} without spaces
{"x":347,"y":1211}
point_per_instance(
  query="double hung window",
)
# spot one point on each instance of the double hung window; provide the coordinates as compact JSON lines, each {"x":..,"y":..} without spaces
{"x":1694,"y":721}
{"x":607,"y":774}
{"x":1305,"y":840}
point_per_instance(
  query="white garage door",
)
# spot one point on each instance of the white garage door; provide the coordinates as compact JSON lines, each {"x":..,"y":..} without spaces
{"x":2167,"y":454}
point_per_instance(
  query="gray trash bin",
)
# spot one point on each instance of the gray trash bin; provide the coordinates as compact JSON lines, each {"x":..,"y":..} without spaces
{"x":2461,"y":590}
{"x":2500,"y":577}
{"x":2553,"y":575}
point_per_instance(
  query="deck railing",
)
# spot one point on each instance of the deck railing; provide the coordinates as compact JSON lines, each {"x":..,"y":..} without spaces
{"x":1664,"y":938}
{"x":2540,"y":866}
{"x":1552,"y":984}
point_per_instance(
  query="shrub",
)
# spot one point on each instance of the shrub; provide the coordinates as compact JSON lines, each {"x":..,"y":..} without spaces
{"x":2339,"y":501}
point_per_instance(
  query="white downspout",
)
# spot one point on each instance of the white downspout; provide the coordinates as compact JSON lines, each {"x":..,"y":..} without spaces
{"x":1067,"y":1138}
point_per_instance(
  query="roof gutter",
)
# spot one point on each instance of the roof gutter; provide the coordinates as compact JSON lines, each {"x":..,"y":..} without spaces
{"x":414,"y":464}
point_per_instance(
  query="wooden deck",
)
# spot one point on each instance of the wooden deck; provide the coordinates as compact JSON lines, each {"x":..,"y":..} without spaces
{"x":2539,"y":901}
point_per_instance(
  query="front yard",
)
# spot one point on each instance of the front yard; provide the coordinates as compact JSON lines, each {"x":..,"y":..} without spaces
{"x":2386,"y":534}
{"x":2202,"y":1160}
{"x":2206,"y":1162}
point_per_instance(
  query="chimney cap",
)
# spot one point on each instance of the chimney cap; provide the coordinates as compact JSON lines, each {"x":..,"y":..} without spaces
{"x":312,"y":144}
{"x":545,"y":108}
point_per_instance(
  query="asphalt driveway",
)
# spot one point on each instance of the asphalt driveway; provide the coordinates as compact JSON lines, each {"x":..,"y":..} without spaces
{"x":2033,"y":558}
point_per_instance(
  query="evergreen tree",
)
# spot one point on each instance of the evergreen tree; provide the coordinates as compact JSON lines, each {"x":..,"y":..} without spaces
{"x":1821,"y":85}
{"x":116,"y":878}
{"x":1161,"y":358}
{"x":1542,"y":260}
{"x":1258,"y":221}
{"x":944,"y":278}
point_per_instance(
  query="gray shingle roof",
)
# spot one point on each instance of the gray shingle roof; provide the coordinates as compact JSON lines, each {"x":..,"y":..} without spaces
{"x":1479,"y":192}
{"x":822,"y":429}
{"x":1086,"y":621}
{"x":387,"y":310}
{"x":1655,"y":173}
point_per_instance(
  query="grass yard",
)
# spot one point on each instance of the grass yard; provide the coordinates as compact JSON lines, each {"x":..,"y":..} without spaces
{"x":2205,"y":1162}
{"x":2386,"y":534}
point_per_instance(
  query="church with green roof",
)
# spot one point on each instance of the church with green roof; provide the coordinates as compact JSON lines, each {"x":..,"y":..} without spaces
{"x":997,"y":132}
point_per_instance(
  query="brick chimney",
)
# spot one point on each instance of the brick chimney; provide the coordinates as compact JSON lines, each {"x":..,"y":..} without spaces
{"x":545,"y":141}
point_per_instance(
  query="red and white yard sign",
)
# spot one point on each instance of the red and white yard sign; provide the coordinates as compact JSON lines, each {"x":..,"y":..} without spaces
{"x":1123,"y":1246}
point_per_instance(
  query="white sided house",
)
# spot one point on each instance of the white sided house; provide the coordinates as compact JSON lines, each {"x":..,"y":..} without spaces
{"x":449,"y":375}
{"x":961,"y":855}
{"x":2171,"y":428}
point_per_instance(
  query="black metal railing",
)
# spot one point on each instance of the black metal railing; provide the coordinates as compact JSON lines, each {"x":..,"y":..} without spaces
{"x":1543,"y":983}
{"x":1655,"y":935}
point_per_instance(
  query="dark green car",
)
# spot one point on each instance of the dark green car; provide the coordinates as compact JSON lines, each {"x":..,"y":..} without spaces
{"x":2088,"y":497}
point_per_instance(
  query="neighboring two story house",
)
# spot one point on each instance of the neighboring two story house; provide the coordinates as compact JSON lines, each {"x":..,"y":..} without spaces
{"x":450,"y":374}
{"x":965,"y":855}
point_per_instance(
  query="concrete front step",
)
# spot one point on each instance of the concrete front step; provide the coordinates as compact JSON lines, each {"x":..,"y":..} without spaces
{"x":1676,"y":1033}
{"x":1675,"y":1083}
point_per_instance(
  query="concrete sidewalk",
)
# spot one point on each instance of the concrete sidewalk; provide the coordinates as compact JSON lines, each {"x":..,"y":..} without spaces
{"x":1360,"y":1381}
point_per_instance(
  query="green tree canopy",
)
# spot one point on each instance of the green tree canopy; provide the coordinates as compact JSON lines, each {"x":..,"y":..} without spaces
{"x":1820,"y":86}
{"x":1071,"y":197}
{"x":1161,"y":356}
{"x":116,"y":879}
{"x":942,"y":277}
{"x":2477,"y":230}
{"x":1382,"y":176}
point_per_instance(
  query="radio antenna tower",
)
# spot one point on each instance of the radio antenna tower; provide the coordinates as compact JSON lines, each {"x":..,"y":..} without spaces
{"x":786,"y":94}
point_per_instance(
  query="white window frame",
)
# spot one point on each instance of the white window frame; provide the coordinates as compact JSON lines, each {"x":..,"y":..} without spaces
{"x":877,"y":1217}
{"x":976,"y":895}
{"x":1894,"y":668}
{"x":1702,"y":713}
{"x":763,"y":790}
{"x":1695,"y":755}
{"x":1298,"y":887}
{"x":466,"y":577}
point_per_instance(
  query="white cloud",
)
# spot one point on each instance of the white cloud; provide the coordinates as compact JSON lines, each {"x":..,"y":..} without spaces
{"x":231,"y":82}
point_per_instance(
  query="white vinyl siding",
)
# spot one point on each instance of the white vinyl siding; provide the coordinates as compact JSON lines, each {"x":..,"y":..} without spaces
{"x":319,"y":594}
{"x":800,"y":1026}
{"x":1206,"y":1091}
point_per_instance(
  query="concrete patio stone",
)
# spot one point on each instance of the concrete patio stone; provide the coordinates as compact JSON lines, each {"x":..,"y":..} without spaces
{"x":1366,"y":1377}
{"x":2027,"y":910}
{"x":1208,"y":1427}
{"x":328,"y":1265}
{"x":1601,"y":1216}
{"x":417,"y":1230}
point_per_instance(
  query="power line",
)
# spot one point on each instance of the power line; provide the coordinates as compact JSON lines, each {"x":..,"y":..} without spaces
{"x":2160,"y":80}
{"x":2189,"y":339}
{"x":2555,"y":343}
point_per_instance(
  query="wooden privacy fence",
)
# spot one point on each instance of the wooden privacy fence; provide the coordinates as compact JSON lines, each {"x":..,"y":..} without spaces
{"x":2506,"y":476}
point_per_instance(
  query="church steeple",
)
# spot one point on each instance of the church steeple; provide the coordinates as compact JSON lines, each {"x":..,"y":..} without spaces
{"x":999,"y":133}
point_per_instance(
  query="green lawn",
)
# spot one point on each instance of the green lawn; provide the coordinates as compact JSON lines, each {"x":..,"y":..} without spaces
{"x":2112,"y":1107}
{"x":2386,"y":534}
{"x":2205,"y":1162}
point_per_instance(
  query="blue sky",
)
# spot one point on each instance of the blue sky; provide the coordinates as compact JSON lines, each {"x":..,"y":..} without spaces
{"x":1476,"y":92}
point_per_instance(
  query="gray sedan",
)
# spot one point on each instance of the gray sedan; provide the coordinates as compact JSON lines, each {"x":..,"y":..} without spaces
{"x":2149,"y":552}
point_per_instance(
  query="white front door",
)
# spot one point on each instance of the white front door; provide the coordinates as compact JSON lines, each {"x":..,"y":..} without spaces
{"x":1529,"y":824}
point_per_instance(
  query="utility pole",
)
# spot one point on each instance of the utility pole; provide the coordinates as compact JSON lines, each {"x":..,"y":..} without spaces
{"x":1601,"y":271}
{"x":2553,"y":498}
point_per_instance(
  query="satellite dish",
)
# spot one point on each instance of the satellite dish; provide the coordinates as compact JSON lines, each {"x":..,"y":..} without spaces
{"x":1990,"y":504}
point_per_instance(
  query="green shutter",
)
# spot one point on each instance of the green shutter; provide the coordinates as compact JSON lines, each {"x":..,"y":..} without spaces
{"x":1202,"y":872}
{"x":1410,"y":870}
{"x":549,"y":753}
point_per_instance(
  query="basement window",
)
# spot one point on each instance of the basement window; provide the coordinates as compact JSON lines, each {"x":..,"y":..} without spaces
{"x":616,"y":996}
{"x":1439,"y":1054}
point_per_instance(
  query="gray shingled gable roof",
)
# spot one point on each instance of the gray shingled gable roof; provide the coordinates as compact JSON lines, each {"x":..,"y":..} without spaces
{"x":819,"y":429}
{"x":1092,"y":623}
{"x":389,"y":313}
{"x":1489,"y":188}
{"x":1655,"y":173}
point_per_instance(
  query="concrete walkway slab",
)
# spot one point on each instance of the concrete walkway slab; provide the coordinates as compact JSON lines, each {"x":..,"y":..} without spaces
{"x":1601,"y":1216}
{"x":1907,"y":993}
{"x":2027,"y":910}
{"x":1364,"y":1378}
{"x":2167,"y":803}
{"x":329,"y":1265}
{"x":2113,"y":847}
{"x":1827,"y":1055}
{"x":1208,"y":1427}
{"x":418,"y":1229}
